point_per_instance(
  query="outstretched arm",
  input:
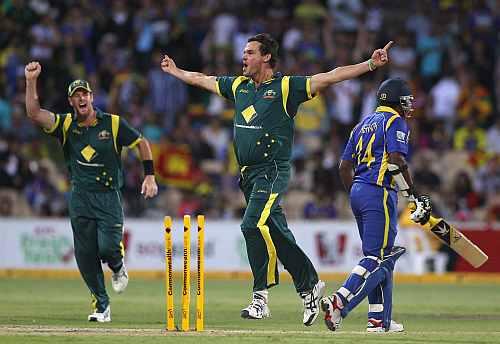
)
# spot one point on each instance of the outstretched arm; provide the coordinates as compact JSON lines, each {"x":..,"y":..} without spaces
{"x":197,"y":79}
{"x":149,"y":188}
{"x":322,"y":80}
{"x":41,"y":117}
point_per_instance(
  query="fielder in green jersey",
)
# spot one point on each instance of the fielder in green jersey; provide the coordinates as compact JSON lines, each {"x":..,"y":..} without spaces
{"x":92,"y":142}
{"x":265,"y":105}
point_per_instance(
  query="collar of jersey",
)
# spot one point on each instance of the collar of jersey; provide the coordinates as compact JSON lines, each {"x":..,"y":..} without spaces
{"x":98,"y":116}
{"x":275,"y":76}
{"x":386,"y":109}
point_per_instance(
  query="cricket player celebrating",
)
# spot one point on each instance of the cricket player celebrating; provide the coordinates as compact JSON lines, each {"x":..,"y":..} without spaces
{"x":92,"y":142}
{"x":266,"y":103}
{"x":376,"y":153}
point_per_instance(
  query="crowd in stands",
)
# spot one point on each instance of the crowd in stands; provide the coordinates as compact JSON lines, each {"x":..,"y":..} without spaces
{"x":448,"y":50}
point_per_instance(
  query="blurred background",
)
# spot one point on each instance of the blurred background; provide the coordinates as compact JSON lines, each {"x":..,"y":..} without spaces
{"x":448,"y":50}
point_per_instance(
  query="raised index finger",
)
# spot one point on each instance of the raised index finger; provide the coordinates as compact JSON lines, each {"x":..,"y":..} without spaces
{"x":388,"y":45}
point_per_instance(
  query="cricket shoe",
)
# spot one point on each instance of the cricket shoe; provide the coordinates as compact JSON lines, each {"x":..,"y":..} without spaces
{"x":258,"y":308}
{"x":119,"y":280}
{"x":101,"y":317}
{"x":332,"y":306}
{"x":376,"y":326}
{"x":311,"y":301}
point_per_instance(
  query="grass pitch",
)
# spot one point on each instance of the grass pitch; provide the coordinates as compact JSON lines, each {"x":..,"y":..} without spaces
{"x":55,"y":311}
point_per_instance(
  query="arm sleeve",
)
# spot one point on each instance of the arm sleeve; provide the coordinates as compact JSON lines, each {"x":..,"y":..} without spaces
{"x":127,"y":136}
{"x":225,"y":87}
{"x":397,"y":136}
{"x":58,"y":127}
{"x":299,"y":91}
{"x":349,"y":153}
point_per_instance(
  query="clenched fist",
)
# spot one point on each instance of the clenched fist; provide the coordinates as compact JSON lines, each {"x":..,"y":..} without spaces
{"x":32,"y":70}
{"x":149,"y":188}
{"x":167,"y":64}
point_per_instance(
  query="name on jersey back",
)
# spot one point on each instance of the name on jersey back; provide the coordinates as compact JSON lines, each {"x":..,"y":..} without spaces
{"x":370,"y":128}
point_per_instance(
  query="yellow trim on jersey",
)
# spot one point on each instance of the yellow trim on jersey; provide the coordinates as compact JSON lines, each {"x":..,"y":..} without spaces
{"x":217,"y":88}
{"x":285,"y":90}
{"x":390,"y":110}
{"x":386,"y":226}
{"x":115,"y":126}
{"x":54,"y":126}
{"x":237,"y":83}
{"x":389,"y":122}
{"x":385,"y":157}
{"x":386,"y":109}
{"x":383,"y":168}
{"x":308,"y":88}
{"x":133,"y":144}
{"x":65,"y":128}
{"x":271,"y":249}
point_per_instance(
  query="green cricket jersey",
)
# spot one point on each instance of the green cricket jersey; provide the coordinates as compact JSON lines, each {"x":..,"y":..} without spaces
{"x":93,"y":154}
{"x":263,"y":119}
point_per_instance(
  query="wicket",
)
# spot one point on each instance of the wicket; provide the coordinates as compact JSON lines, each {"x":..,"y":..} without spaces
{"x":186,"y":274}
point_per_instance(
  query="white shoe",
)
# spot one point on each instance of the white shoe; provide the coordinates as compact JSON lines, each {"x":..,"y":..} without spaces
{"x":119,"y":280}
{"x":258,"y":308}
{"x":331,"y":306}
{"x":311,"y":302}
{"x":101,"y":317}
{"x":375,"y":326}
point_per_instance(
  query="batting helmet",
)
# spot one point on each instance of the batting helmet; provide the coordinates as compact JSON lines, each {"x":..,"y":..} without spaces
{"x":396,"y":92}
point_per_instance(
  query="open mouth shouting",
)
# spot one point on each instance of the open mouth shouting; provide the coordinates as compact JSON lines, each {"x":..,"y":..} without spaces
{"x":83,"y":107}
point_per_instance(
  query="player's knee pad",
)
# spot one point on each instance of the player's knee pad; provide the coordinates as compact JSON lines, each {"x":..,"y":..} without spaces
{"x":366,"y":266}
{"x":373,"y":276}
{"x":389,"y":261}
{"x":359,"y":274}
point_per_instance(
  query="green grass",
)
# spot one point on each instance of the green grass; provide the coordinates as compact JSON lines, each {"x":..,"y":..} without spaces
{"x":55,"y":311}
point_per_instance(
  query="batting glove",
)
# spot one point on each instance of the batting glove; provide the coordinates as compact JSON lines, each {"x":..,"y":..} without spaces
{"x":423,"y":210}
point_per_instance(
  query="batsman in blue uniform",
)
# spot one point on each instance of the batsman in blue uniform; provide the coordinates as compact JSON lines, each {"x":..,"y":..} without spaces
{"x":372,"y":169}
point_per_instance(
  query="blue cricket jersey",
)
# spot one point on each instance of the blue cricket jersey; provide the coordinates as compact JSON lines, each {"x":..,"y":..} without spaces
{"x":370,"y":143}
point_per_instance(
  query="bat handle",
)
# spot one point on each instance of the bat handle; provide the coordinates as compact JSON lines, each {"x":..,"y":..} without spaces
{"x":432,"y":220}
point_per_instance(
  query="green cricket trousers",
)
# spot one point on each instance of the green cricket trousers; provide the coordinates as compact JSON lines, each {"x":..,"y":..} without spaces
{"x":97,"y":223}
{"x":266,"y":232}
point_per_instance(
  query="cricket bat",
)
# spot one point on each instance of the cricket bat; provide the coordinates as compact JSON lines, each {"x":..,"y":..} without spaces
{"x":444,"y":231}
{"x":457,"y":241}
